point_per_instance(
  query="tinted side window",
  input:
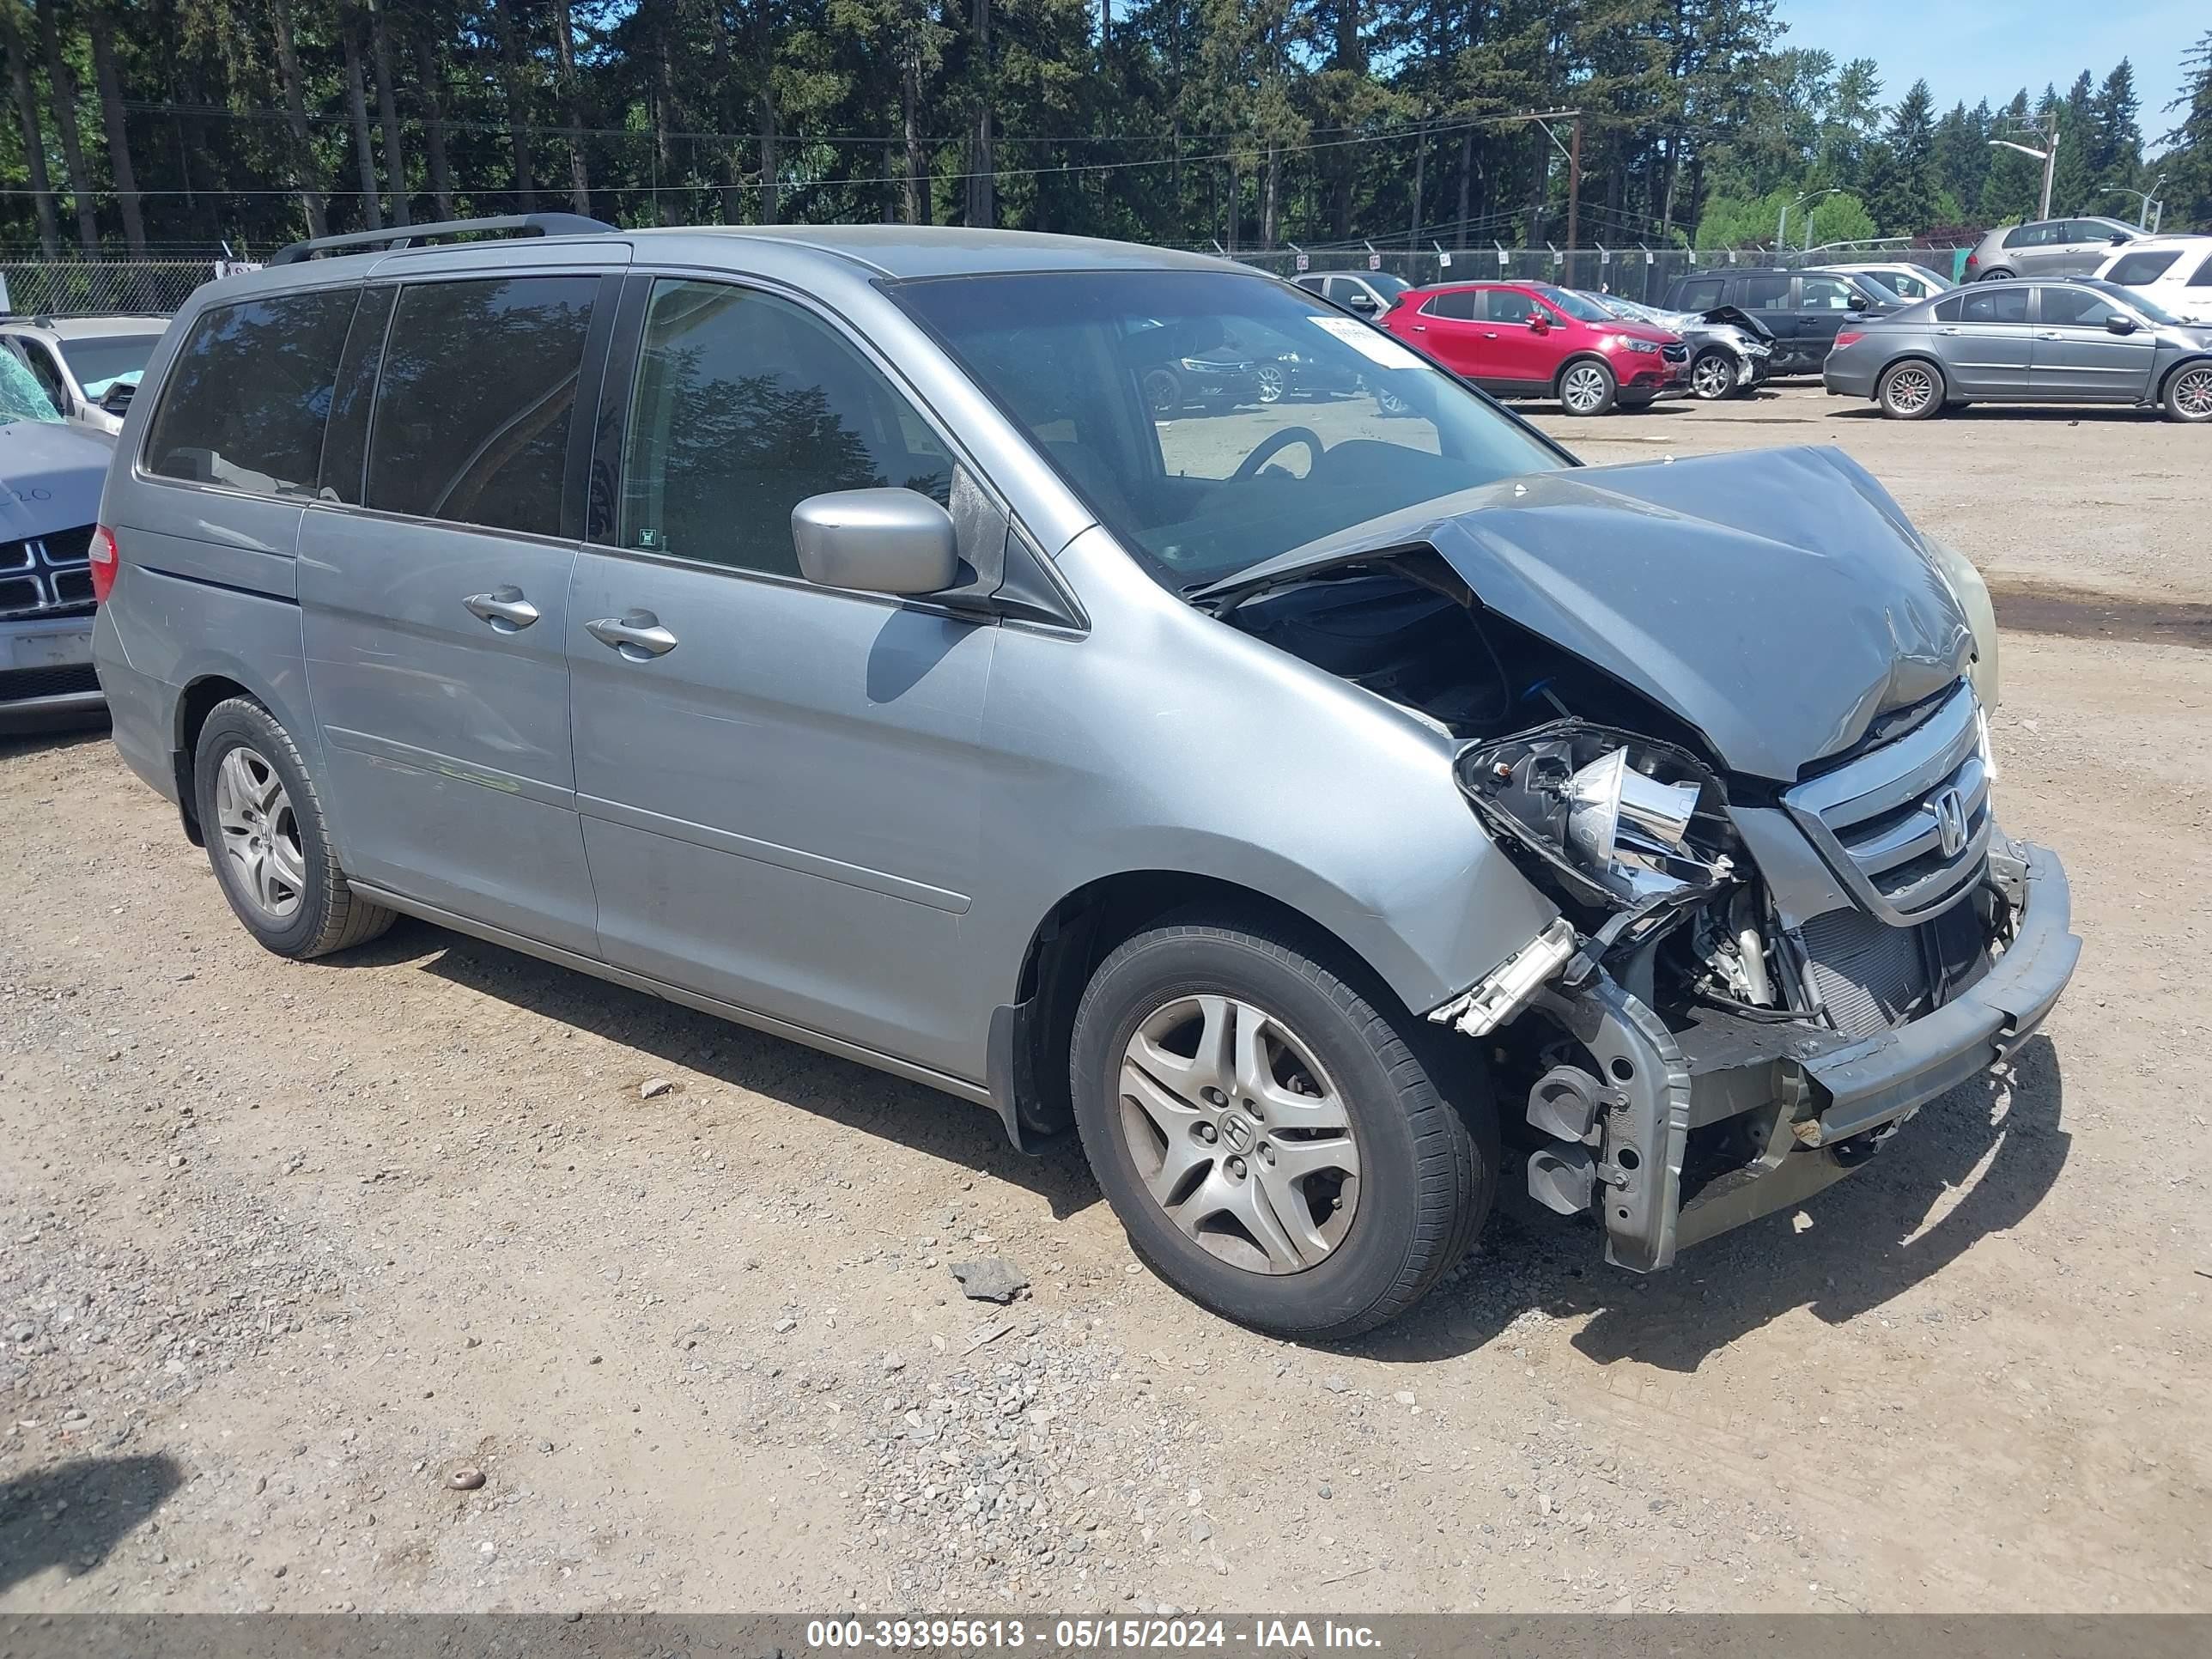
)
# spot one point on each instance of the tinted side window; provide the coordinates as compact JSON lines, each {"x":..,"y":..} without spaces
{"x":2095,"y":230}
{"x":2035,"y":236}
{"x":2004,"y":305}
{"x":2074,"y":307}
{"x":745,"y":405}
{"x":1509,"y":305}
{"x":1765,"y":294}
{"x":473,"y":406}
{"x":1946,"y":311}
{"x":1699,"y":293}
{"x":2203,"y":277}
{"x":1461,"y":305}
{"x":2134,"y":269}
{"x":249,"y":392}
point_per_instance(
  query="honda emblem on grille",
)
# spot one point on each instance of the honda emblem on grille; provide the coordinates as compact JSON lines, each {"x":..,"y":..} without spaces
{"x":1950,"y":822}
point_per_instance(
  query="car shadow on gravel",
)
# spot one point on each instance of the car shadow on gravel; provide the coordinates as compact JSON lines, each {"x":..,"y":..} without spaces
{"x":1975,"y":1162}
{"x":73,"y":1515}
{"x":680,"y":1040}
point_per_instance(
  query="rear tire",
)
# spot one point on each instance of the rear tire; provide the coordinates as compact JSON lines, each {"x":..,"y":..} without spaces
{"x":1911,"y":391}
{"x":268,"y":840}
{"x":2189,"y":394}
{"x":1587,"y":387}
{"x":2000,"y":275}
{"x":1362,"y":1184}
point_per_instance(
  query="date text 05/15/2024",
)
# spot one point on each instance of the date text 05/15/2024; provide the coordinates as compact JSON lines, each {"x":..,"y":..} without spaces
{"x":1283,"y":1635}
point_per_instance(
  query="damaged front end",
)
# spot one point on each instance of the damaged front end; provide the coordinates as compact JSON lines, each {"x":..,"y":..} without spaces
{"x":1723,"y":713}
{"x":1745,"y":1001}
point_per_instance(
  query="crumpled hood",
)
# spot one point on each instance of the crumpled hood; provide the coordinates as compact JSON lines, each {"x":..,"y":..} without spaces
{"x":1776,"y":599}
{"x":50,"y":476}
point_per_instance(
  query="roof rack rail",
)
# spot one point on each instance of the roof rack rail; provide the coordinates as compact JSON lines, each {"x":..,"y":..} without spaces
{"x":400,"y":236}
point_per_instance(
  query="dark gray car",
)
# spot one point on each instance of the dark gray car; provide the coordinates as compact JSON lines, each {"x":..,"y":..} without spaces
{"x":2026,"y":343}
{"x":815,"y":626}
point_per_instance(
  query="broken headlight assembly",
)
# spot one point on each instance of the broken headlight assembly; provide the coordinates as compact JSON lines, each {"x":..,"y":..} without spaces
{"x":1616,"y":820}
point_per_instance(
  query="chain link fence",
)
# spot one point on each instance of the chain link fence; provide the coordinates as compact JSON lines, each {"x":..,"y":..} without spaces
{"x":67,"y":288}
{"x":77,"y":287}
{"x":1641,"y":274}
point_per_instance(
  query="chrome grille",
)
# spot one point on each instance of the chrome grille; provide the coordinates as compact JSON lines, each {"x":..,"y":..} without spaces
{"x":46,"y":576}
{"x":1905,"y":827}
{"x":1676,"y":353}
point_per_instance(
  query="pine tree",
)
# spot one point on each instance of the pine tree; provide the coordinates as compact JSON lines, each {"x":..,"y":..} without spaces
{"x":1902,"y":183}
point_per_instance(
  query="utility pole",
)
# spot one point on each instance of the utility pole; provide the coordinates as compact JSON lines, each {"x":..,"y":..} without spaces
{"x":2048,"y":154}
{"x":1574,"y":182}
{"x":1420,"y":154}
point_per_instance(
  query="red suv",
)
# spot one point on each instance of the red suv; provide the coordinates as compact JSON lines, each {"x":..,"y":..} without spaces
{"x":1532,"y":340}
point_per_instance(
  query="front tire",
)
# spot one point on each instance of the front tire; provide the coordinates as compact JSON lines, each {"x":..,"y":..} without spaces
{"x":1911,"y":391}
{"x":1163,"y":391}
{"x":268,"y":840}
{"x":1264,"y":1124}
{"x":1587,"y":387}
{"x":2189,"y":394}
{"x":1712,"y":376}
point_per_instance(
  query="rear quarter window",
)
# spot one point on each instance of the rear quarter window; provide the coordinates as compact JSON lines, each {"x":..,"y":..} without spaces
{"x":1699,"y":293}
{"x":2134,"y":269}
{"x":248,"y":394}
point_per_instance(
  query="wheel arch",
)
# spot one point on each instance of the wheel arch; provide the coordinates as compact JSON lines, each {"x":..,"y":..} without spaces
{"x":1030,"y":1092}
{"x":2166,"y":380}
{"x":1583,"y":354}
{"x":199,"y":699}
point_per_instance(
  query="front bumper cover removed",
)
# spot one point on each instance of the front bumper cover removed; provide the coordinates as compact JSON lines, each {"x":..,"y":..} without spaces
{"x":1798,"y":1105}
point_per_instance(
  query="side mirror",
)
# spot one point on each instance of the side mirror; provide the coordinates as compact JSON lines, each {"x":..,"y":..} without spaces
{"x":2120,"y":236}
{"x":876,"y":541}
{"x":1538,"y":323}
{"x":1361,"y":302}
{"x":2117,"y":325}
{"x":117,"y":397}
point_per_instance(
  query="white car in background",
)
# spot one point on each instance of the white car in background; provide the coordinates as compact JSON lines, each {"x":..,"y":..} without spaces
{"x":88,"y":366}
{"x":1910,"y":282}
{"x":2173,"y":271}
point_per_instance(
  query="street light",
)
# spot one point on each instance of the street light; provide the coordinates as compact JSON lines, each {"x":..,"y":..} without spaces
{"x":2148,"y":197}
{"x":1781,"y":225}
{"x":2046,"y":155}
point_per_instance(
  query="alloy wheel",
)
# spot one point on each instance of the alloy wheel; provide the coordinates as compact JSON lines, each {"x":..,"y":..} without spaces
{"x":261,"y":834}
{"x":1238,"y":1133}
{"x":1583,"y":389}
{"x":1271,"y":383}
{"x":1712,"y":376}
{"x":2193,"y":394}
{"x":1910,"y":389}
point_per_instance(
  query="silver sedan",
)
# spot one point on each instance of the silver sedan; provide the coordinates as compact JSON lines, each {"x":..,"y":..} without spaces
{"x":2078,"y":342}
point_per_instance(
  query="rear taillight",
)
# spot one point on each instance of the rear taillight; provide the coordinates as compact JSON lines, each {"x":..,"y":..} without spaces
{"x":1973,"y":260}
{"x":1848,"y":337}
{"x":104,"y":563}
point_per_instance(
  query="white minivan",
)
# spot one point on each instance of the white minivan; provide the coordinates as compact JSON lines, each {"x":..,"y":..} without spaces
{"x":2176,"y":271}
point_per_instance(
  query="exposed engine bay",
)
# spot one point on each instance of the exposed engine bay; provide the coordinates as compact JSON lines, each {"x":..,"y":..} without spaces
{"x":1778,"y":923}
{"x":1600,"y":796}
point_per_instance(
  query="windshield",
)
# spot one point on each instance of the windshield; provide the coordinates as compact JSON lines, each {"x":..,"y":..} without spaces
{"x":21,"y":397}
{"x":1876,"y":289}
{"x":1581,"y":308}
{"x":2137,"y":301}
{"x":1202,"y":466}
{"x":1387,"y":286}
{"x":100,"y":362}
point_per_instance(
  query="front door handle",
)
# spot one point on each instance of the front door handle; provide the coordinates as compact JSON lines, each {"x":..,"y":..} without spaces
{"x":504,"y":608}
{"x":1947,"y":330}
{"x":637,"y":635}
{"x":2049,"y":334}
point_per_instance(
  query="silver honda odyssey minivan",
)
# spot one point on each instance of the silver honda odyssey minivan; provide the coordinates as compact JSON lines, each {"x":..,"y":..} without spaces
{"x":1302,"y":801}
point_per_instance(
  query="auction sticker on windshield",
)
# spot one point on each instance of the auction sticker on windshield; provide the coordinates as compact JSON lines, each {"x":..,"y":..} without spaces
{"x":1376,"y":347}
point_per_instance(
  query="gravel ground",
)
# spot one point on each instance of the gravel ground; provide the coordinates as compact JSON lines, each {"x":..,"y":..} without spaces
{"x":287,"y":1250}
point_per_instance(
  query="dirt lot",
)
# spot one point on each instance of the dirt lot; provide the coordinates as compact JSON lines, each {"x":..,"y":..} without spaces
{"x":282,"y":1247}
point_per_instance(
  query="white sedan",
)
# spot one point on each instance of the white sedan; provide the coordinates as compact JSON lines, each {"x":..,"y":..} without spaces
{"x":2175,"y":272}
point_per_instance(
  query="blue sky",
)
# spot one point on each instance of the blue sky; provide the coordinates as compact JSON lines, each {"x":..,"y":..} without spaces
{"x":1973,"y":49}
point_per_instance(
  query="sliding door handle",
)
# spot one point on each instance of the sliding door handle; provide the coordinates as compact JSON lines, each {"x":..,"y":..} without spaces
{"x":637,"y":635}
{"x":504,"y":608}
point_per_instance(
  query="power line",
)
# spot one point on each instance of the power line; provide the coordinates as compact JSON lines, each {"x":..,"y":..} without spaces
{"x":1255,"y":147}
